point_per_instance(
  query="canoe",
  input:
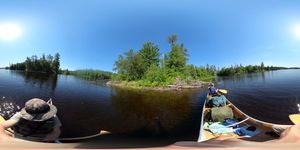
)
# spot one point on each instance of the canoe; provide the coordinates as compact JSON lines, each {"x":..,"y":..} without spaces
{"x":62,"y":140}
{"x":253,"y":129}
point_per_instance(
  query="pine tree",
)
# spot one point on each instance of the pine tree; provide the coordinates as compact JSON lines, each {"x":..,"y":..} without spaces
{"x":56,"y":63}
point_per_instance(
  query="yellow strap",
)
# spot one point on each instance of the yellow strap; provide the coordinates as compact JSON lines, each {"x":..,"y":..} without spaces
{"x":8,"y":129}
{"x":2,"y":119}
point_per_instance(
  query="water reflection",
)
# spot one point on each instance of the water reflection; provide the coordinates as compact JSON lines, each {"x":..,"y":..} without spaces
{"x":150,"y":112}
{"x":244,"y":78}
{"x":41,"y":80}
{"x":269,"y":96}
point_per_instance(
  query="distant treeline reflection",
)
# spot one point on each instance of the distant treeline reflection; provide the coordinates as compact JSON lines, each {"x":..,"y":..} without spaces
{"x":39,"y":79}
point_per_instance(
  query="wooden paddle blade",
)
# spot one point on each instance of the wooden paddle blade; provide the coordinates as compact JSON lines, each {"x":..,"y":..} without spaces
{"x":295,"y":118}
{"x":104,"y":132}
{"x":223,"y":91}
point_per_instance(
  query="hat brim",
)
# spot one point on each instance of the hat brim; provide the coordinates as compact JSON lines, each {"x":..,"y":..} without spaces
{"x":39,"y":117}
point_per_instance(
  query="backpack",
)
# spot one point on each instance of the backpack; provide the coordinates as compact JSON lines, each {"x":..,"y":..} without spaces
{"x":217,"y":101}
{"x":221,"y":113}
{"x":30,"y":128}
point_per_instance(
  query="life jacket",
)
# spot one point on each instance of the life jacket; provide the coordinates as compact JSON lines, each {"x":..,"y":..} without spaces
{"x":31,"y":128}
{"x":212,"y":91}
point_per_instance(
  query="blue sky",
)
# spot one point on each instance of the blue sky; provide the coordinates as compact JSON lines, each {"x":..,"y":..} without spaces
{"x":92,"y":33}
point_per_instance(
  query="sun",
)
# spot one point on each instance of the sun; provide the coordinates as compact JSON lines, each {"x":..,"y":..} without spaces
{"x":10,"y":31}
{"x":296,"y":31}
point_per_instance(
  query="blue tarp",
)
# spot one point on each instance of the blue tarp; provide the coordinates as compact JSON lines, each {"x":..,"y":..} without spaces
{"x":217,"y":101}
{"x":219,"y":128}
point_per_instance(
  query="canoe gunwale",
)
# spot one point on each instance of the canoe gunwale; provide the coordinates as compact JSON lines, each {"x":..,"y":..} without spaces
{"x":201,"y":131}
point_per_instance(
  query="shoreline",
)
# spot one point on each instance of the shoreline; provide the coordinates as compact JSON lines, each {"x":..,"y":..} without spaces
{"x":176,"y":86}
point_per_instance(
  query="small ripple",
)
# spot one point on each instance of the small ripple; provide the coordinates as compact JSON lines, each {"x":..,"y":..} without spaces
{"x":8,"y":108}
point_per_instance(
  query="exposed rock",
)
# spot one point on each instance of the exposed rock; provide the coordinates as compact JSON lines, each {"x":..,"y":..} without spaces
{"x":189,"y":84}
{"x":178,"y":85}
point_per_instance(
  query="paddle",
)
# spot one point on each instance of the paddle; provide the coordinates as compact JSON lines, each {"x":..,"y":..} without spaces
{"x":223,"y":91}
{"x":295,"y":118}
{"x":101,"y":132}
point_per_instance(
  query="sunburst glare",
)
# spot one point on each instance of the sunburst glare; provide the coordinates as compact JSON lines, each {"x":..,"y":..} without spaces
{"x":10,"y":31}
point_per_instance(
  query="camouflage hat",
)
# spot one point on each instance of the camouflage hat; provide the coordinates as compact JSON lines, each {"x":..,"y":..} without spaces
{"x":38,"y":110}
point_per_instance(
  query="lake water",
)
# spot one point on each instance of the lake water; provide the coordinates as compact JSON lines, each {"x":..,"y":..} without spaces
{"x":85,"y":107}
{"x":269,"y":96}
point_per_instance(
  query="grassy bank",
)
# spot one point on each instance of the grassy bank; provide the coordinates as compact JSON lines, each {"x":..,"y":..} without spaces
{"x":175,"y":86}
{"x":164,"y":79}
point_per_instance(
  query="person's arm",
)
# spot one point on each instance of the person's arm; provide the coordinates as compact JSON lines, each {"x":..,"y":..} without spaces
{"x":290,"y":135}
{"x":5,"y":125}
{"x":218,"y":92}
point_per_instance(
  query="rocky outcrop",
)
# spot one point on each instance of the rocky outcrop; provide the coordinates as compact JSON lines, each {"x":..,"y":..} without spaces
{"x":187,"y":84}
{"x":178,"y":85}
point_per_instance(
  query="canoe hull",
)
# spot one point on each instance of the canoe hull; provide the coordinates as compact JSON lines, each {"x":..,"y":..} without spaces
{"x":264,"y":127}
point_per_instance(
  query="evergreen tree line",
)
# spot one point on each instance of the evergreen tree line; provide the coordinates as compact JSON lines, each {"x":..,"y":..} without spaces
{"x":89,"y":74}
{"x":149,"y":69}
{"x":49,"y":64}
{"x":240,"y":69}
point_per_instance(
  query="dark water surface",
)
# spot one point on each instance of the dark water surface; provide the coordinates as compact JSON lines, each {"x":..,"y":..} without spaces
{"x":84,"y":107}
{"x":269,"y":96}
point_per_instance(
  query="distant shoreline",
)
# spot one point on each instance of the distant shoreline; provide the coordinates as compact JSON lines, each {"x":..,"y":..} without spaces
{"x":29,"y":71}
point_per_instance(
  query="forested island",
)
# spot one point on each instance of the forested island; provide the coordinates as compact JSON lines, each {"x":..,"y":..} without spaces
{"x":147,"y":67}
{"x":240,"y":69}
{"x":51,"y":65}
{"x":45,"y":64}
